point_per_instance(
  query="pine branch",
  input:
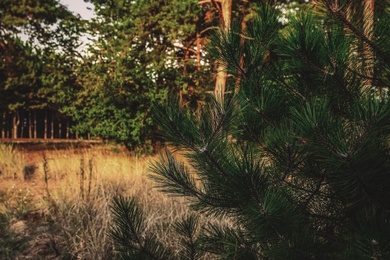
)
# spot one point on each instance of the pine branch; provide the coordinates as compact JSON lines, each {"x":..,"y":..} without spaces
{"x":174,"y":177}
{"x":313,"y":65}
{"x":188,"y":227}
{"x":293,"y":90}
{"x":129,"y":219}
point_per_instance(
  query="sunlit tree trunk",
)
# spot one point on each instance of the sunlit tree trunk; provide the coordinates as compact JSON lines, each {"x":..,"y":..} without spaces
{"x":15,"y":124}
{"x":220,"y":83}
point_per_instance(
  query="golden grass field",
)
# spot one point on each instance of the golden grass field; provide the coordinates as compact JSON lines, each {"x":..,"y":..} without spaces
{"x":55,"y":204}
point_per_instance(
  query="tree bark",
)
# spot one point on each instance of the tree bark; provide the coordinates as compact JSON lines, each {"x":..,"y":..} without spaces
{"x":15,"y":124}
{"x":22,"y":128}
{"x":35,"y":124}
{"x":45,"y":126}
{"x":52,"y":125}
{"x":59,"y":129}
{"x":67,"y":129}
{"x":3,"y":126}
{"x":29,"y":125}
{"x":225,"y":17}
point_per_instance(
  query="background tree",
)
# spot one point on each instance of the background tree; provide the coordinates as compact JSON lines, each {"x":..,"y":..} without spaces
{"x":46,"y":27}
{"x":142,"y":50}
{"x":298,"y":160}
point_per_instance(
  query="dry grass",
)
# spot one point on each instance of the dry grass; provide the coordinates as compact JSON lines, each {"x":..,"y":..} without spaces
{"x":11,"y":162}
{"x":64,"y":197}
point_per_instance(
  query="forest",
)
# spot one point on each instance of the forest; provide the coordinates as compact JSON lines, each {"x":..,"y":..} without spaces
{"x":65,"y":77}
{"x":270,"y":123}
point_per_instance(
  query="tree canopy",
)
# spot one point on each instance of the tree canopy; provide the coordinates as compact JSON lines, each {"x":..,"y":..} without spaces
{"x":138,"y":53}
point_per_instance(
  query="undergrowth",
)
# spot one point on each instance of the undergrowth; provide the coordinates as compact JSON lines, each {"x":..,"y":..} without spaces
{"x":65,"y":203}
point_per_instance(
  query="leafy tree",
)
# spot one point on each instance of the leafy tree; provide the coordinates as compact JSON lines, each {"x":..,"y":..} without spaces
{"x":298,"y":159}
{"x":31,"y":32}
{"x":142,"y":50}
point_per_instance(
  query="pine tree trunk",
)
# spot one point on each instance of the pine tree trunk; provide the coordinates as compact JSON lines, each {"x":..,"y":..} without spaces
{"x":3,"y":126}
{"x":15,"y":123}
{"x":35,"y":124}
{"x":59,"y":129}
{"x":67,"y":129}
{"x":45,"y":126}
{"x":29,"y":125}
{"x":220,"y":83}
{"x":52,"y":125}
{"x":22,"y":129}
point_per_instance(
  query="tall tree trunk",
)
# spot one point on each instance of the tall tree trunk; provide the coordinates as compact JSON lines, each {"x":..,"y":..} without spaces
{"x":45,"y":126}
{"x":59,"y":129}
{"x":3,"y":126}
{"x":15,"y":124}
{"x":225,"y":18}
{"x":35,"y":124}
{"x":52,"y":125}
{"x":29,"y":125}
{"x":22,"y":127}
{"x":67,"y":129}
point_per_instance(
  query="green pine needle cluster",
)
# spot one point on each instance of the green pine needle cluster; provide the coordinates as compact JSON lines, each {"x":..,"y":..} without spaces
{"x":297,"y":154}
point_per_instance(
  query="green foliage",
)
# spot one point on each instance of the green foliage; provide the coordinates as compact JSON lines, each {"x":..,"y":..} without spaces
{"x":298,"y":159}
{"x":32,"y":34}
{"x":135,"y":60}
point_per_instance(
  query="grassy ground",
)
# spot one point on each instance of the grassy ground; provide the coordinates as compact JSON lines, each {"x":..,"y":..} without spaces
{"x":55,"y":204}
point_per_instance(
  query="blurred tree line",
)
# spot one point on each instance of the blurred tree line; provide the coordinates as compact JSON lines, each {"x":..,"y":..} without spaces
{"x":138,"y":53}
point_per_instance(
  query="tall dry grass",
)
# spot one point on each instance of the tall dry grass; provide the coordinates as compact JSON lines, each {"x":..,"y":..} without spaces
{"x":11,"y":162}
{"x":72,"y":191}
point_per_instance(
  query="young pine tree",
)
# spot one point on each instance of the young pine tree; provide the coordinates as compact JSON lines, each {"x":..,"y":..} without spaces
{"x":297,"y":158}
